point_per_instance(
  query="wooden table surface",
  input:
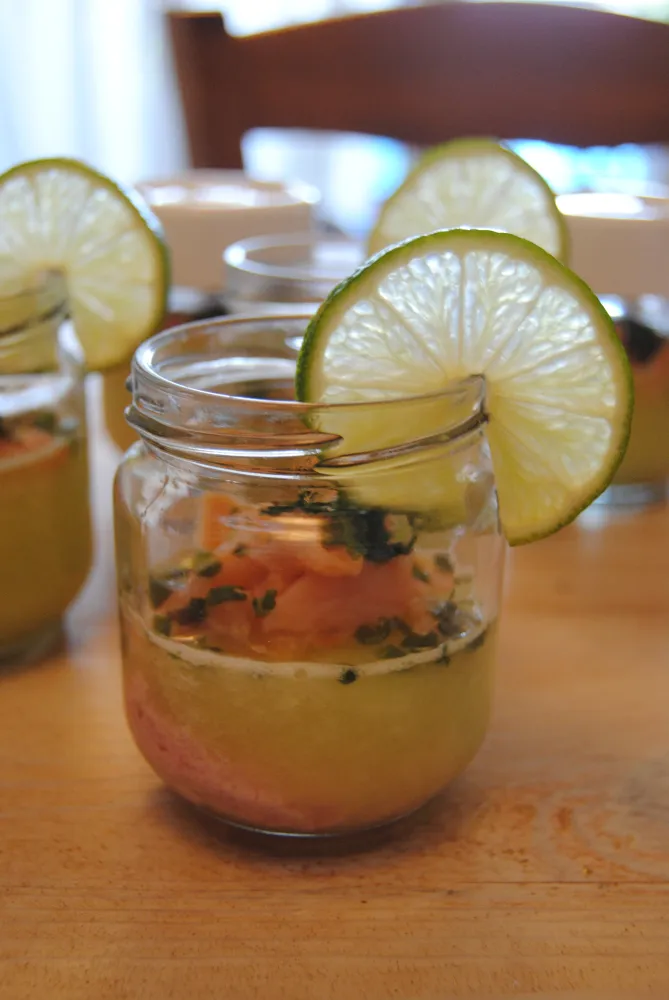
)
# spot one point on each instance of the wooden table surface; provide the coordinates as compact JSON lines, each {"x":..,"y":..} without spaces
{"x":543,"y":871}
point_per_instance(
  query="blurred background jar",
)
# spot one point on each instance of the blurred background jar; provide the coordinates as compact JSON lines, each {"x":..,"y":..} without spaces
{"x":620,"y":247}
{"x":45,"y":534}
{"x":202,"y":212}
{"x":274,"y":273}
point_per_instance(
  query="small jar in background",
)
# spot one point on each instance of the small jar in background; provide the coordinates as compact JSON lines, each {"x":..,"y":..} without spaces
{"x":45,"y":533}
{"x":273,"y":274}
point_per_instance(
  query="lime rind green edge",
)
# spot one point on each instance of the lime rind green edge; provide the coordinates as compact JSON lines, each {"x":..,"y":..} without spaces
{"x":480,"y":145}
{"x":405,"y":249}
{"x":137,"y":204}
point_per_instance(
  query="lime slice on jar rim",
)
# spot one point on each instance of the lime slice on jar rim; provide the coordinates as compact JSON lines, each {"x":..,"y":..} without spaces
{"x":61,"y":215}
{"x":477,"y":183}
{"x":461,"y":303}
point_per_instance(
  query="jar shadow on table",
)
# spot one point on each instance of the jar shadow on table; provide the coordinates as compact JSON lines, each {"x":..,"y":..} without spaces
{"x":441,"y":820}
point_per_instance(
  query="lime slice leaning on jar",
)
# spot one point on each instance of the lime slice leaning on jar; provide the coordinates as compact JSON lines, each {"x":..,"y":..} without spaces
{"x":462,"y":303}
{"x":472,"y":182}
{"x":61,"y":215}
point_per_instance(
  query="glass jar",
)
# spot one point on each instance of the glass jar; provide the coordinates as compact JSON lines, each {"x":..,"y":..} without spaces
{"x":271,"y":274}
{"x":309,"y":630}
{"x":184,"y":305}
{"x":643,"y":328}
{"x":45,"y":536}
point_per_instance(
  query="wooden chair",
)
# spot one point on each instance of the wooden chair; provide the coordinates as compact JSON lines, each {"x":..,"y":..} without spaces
{"x":426,"y":74}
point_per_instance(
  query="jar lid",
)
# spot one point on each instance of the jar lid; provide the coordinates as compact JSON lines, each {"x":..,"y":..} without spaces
{"x":619,"y":241}
{"x":203,"y":211}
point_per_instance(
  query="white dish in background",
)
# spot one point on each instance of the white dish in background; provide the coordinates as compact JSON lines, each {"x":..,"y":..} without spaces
{"x":619,"y":241}
{"x":204,"y":211}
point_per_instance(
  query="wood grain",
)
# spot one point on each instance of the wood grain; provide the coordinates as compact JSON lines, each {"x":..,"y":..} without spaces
{"x":543,"y":871}
{"x":427,"y":73}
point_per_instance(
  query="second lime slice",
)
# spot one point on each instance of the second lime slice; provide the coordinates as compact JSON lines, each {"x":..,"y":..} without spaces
{"x":477,"y":183}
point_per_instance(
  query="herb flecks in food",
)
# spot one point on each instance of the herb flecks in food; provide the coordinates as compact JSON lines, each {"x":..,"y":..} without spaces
{"x":219,"y":595}
{"x":392,"y":652}
{"x":162,"y":624}
{"x":195,"y":611}
{"x":420,"y":574}
{"x":416,"y":640}
{"x":263,"y":605}
{"x":348,"y":676}
{"x":240,"y":550}
{"x":448,"y":619}
{"x":372,"y":534}
{"x":443,"y":563}
{"x":159,"y":591}
{"x":206,"y":564}
{"x":371,"y":635}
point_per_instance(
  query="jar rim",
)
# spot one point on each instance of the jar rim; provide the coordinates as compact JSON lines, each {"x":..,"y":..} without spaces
{"x":143,"y":361}
{"x":170,"y":412}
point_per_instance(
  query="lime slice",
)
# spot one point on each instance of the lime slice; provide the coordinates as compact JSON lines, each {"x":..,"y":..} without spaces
{"x":472,"y":182}
{"x":459,"y":303}
{"x":61,"y":215}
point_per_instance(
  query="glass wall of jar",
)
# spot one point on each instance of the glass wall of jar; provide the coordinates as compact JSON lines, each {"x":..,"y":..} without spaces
{"x":45,"y":537}
{"x":309,"y":631}
{"x":184,"y":305}
{"x":273,"y":274}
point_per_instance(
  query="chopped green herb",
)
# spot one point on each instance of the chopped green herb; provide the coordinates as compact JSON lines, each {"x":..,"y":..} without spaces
{"x":420,"y":574}
{"x":399,"y":624}
{"x":240,"y":550}
{"x":263,"y":605}
{"x":305,"y":503}
{"x":370,"y":635}
{"x":195,"y":611}
{"x":348,"y":676}
{"x":206,"y":564}
{"x":218,"y":595}
{"x":448,"y":619}
{"x":392,"y":653}
{"x":477,"y":642}
{"x":443,"y":563}
{"x":46,"y":421}
{"x":159,"y":591}
{"x":162,"y":624}
{"x":362,"y":532}
{"x":415,"y":640}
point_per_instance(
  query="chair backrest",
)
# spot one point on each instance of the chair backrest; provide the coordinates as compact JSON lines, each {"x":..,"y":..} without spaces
{"x":426,"y":74}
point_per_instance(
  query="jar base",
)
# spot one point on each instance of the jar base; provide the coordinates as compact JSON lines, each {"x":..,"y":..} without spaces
{"x":340,"y":835}
{"x":34,"y":647}
{"x":634,"y":494}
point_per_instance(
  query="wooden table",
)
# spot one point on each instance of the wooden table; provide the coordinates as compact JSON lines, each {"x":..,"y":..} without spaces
{"x":544,"y":870}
